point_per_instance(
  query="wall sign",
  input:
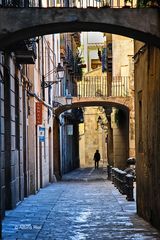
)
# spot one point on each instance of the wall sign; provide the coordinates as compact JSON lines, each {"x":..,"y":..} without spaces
{"x":70,"y":130}
{"x":42,"y":134}
{"x":38,"y":113}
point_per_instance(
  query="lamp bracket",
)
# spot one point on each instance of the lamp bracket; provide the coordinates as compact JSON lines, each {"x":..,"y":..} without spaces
{"x":47,"y":84}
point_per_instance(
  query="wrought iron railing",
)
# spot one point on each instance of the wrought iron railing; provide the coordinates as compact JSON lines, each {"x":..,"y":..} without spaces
{"x":69,"y":3}
{"x":98,"y":87}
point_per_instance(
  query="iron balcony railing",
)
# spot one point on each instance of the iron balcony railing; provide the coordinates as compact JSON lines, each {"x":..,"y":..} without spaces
{"x":69,"y":3}
{"x":98,"y":87}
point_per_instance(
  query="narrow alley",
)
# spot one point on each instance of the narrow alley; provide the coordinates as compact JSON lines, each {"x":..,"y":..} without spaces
{"x":84,"y":205}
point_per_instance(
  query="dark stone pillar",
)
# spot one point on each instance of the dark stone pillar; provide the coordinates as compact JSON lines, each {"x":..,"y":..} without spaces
{"x":10,"y":153}
{"x":121,"y":139}
{"x":110,"y":144}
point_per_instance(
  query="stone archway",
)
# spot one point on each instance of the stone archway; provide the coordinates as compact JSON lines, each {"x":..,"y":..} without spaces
{"x":120,"y":102}
{"x":31,"y":22}
{"x":123,"y":136}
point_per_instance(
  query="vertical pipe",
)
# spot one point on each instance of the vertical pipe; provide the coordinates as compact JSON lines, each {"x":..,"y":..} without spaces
{"x":42,"y":68}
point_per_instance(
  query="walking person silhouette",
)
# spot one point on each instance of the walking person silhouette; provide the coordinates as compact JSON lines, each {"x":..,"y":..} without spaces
{"x":97,"y":158}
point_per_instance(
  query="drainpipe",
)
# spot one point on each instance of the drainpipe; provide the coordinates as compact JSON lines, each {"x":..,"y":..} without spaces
{"x":43,"y":78}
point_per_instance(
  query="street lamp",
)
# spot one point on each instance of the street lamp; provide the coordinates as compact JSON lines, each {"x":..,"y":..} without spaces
{"x":68,"y":101}
{"x":60,"y":75}
{"x":60,"y":72}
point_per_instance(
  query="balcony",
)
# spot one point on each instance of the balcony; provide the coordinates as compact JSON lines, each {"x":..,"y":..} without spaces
{"x":97,"y":86}
{"x":69,"y":3}
{"x":25,"y":53}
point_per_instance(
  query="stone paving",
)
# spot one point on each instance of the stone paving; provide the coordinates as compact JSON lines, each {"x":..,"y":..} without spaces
{"x":85,"y":209}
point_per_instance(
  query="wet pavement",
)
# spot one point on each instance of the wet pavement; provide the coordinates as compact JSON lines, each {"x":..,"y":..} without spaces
{"x":84,"y":206}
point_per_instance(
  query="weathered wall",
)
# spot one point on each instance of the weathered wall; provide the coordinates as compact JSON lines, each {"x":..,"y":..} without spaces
{"x":13,"y":115}
{"x":93,"y":137}
{"x":147,"y":99}
{"x":123,"y":51}
{"x":91,"y":134}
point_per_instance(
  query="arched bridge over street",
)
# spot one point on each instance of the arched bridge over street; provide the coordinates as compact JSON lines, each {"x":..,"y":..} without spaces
{"x":22,"y":23}
{"x":117,"y":102}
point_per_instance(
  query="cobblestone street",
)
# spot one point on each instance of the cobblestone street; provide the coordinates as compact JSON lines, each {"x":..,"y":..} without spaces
{"x":90,"y":208}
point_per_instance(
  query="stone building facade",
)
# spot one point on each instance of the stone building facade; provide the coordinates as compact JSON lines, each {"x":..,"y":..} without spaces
{"x":26,"y":161}
{"x":123,"y":133}
{"x":118,"y":141}
{"x":69,"y":120}
{"x":147,"y":103}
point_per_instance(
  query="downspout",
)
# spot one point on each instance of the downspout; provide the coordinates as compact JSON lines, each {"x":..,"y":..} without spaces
{"x":43,"y":78}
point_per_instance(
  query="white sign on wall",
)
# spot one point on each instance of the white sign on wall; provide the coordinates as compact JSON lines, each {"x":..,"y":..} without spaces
{"x":41,"y":134}
{"x":70,"y":130}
